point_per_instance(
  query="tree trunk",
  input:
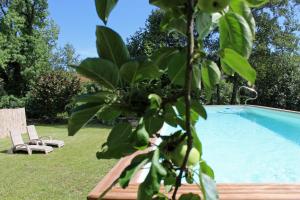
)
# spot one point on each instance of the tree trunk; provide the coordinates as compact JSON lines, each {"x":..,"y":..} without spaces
{"x":234,"y":90}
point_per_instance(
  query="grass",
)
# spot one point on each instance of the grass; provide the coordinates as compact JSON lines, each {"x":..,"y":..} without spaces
{"x":67,"y":173}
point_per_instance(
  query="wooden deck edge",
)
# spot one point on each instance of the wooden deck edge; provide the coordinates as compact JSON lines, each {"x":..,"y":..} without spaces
{"x":113,"y":175}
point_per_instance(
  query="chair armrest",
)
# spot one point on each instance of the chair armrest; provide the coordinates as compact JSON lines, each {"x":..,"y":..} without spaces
{"x":23,"y":145}
{"x":46,"y":137}
{"x":38,"y":141}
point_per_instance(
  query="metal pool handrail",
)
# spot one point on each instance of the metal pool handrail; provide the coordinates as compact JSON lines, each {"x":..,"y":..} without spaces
{"x":248,"y":99}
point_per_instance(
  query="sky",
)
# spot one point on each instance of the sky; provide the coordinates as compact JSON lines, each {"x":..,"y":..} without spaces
{"x":77,"y":20}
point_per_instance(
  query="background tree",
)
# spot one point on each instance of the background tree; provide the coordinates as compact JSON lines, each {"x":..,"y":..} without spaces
{"x":276,"y":54}
{"x":276,"y":47}
{"x":27,"y":36}
{"x":63,"y":57}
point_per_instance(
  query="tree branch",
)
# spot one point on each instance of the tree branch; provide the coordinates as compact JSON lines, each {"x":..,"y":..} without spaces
{"x":188,"y":88}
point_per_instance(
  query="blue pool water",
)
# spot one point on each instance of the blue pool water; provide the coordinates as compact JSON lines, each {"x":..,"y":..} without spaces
{"x":251,"y":145}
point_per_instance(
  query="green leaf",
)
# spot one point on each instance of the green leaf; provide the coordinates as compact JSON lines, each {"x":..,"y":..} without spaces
{"x":104,"y":7}
{"x":100,"y":70}
{"x":241,"y":7}
{"x":99,"y":97}
{"x":161,"y":56}
{"x":235,"y":34}
{"x":239,"y":64}
{"x":151,"y":185}
{"x":189,"y":196}
{"x":227,"y":69}
{"x":166,"y":4}
{"x":170,"y":115}
{"x":81,"y":115}
{"x":206,"y":169}
{"x":136,"y":164}
{"x":119,"y":143}
{"x":171,"y":23}
{"x":110,"y":46}
{"x":109,"y":113}
{"x":257,"y":3}
{"x":177,"y":68}
{"x":134,"y":71}
{"x":203,"y":24}
{"x":196,"y":141}
{"x":140,"y":137}
{"x":154,"y":124}
{"x":148,"y":70}
{"x":169,"y":181}
{"x":129,"y":71}
{"x":189,"y":176}
{"x":211,"y":74}
{"x":208,"y":187}
{"x":198,"y":108}
{"x":155,"y":101}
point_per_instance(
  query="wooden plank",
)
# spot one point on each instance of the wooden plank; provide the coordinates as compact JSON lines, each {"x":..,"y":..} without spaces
{"x":226,"y":192}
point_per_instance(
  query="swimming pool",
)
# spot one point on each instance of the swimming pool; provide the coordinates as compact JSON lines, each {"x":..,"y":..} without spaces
{"x":251,"y":144}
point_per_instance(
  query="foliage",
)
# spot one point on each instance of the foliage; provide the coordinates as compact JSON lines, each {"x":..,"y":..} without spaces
{"x":51,"y":94}
{"x":27,"y":36}
{"x":146,"y":41}
{"x":270,"y":50}
{"x":276,"y":55}
{"x":10,"y":101}
{"x":132,"y":87}
{"x":63,"y":57}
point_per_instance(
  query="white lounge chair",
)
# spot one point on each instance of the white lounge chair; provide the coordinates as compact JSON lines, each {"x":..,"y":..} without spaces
{"x":45,"y":140}
{"x":19,"y":145}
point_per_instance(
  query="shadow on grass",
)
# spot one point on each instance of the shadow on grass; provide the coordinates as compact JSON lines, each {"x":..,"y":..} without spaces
{"x":60,"y":126}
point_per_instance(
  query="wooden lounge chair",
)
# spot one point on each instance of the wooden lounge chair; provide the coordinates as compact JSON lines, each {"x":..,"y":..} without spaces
{"x":19,"y":145}
{"x":45,"y":140}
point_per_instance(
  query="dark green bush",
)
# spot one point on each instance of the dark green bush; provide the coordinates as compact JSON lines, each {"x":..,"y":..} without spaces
{"x":10,"y":101}
{"x":51,"y":94}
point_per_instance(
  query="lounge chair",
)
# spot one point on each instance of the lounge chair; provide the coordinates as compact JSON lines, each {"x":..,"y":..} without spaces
{"x":45,"y":140}
{"x":19,"y":145}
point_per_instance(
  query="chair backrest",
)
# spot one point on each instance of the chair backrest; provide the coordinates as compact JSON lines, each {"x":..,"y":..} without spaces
{"x":32,"y":132}
{"x":16,"y":137}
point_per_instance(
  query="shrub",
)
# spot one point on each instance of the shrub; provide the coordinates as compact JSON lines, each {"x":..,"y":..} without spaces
{"x":2,"y":91}
{"x":52,"y":92}
{"x":10,"y":101}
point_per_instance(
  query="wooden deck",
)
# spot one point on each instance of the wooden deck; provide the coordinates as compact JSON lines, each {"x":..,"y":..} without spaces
{"x":226,"y":191}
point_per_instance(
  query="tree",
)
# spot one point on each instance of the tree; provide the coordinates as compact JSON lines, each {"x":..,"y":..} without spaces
{"x":276,"y":55}
{"x":126,"y":90}
{"x":62,"y":58}
{"x":27,"y":37}
{"x":145,"y":41}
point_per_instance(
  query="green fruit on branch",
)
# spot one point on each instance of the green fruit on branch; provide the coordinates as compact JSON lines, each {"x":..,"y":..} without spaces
{"x":177,"y":156}
{"x":212,"y":6}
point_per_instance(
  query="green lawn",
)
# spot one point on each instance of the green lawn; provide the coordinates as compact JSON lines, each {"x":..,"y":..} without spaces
{"x":67,"y":173}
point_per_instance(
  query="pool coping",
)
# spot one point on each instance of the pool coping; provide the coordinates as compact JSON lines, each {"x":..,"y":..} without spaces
{"x":291,"y":191}
{"x":257,"y":106}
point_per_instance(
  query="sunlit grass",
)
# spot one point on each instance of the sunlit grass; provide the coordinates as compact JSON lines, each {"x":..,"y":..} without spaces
{"x":67,"y":173}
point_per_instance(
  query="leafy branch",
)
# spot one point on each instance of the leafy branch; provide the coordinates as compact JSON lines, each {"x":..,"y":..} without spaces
{"x":188,"y":88}
{"x":136,"y":88}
